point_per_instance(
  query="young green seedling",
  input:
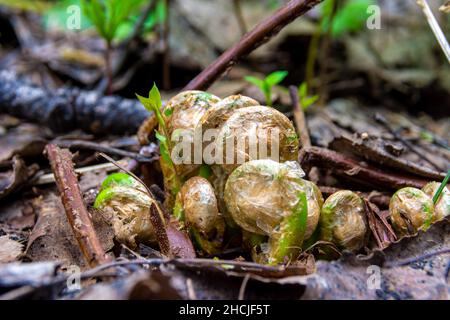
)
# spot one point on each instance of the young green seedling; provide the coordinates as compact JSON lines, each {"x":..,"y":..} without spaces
{"x":337,"y":18}
{"x":351,"y":17}
{"x":266,"y":84}
{"x":305,"y":99}
{"x":153,"y":103}
{"x":108,"y":16}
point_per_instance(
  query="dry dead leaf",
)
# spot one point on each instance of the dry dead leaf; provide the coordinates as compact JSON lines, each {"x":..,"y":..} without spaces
{"x":10,"y":250}
{"x":25,"y":140}
{"x":52,"y":238}
{"x":15,"y":178}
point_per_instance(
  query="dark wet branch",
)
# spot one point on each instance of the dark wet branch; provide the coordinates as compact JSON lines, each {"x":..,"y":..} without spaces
{"x":69,"y":108}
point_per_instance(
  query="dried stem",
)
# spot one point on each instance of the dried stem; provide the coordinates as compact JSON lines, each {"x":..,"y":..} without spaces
{"x":434,"y":25}
{"x":381,"y":120}
{"x":108,"y":68}
{"x":418,"y":258}
{"x":250,"y":41}
{"x":77,"y":214}
{"x":299,"y":118}
{"x":127,"y":45}
{"x":352,"y":170}
{"x":89,"y":145}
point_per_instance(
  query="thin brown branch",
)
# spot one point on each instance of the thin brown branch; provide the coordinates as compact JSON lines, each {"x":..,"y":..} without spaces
{"x":108,"y":68}
{"x":250,"y":41}
{"x":418,"y":258}
{"x":77,"y":214}
{"x":381,"y":120}
{"x":352,"y":170}
{"x":299,"y":118}
{"x":88,"y":145}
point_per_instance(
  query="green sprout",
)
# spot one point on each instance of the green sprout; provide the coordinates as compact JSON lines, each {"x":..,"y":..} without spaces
{"x":266,"y":85}
{"x":337,"y":19}
{"x":108,"y":15}
{"x":153,"y":103}
{"x":351,"y":17}
{"x":305,"y":99}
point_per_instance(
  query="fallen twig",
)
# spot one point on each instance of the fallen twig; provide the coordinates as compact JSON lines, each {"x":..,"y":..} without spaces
{"x":381,"y":152}
{"x":416,"y":259}
{"x":353,"y":170}
{"x":77,"y":214}
{"x":250,"y":41}
{"x":81,"y":144}
{"x":381,"y":120}
{"x":41,"y":179}
{"x":434,"y":25}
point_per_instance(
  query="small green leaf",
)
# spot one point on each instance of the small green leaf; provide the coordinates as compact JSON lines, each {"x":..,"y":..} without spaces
{"x":155,"y":96}
{"x":145,"y":102}
{"x":309,"y":101}
{"x":255,"y":81}
{"x":153,"y":102}
{"x":351,"y":17}
{"x":303,"y":90}
{"x":275,"y":78}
